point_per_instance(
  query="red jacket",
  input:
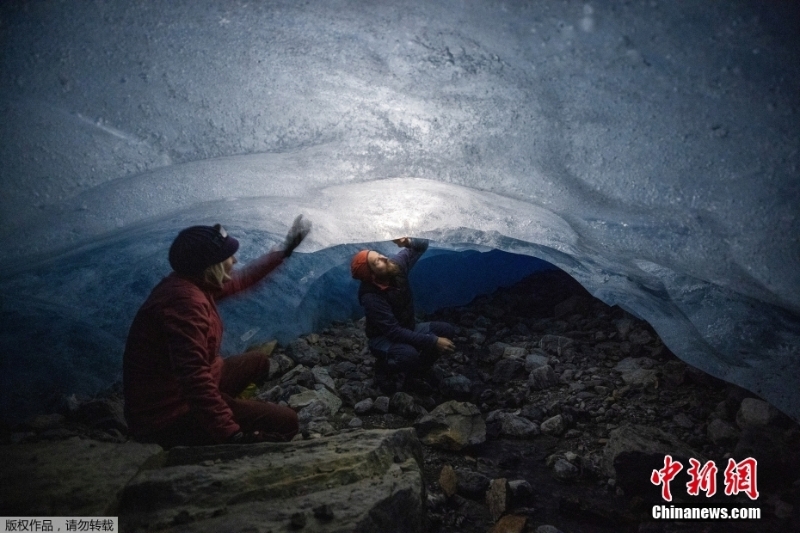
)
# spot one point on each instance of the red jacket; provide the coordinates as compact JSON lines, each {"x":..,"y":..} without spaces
{"x":172,"y":363}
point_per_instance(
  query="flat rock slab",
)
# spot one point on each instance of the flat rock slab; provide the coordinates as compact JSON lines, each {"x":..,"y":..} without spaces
{"x":73,"y":477}
{"x":361,"y":481}
{"x":452,"y":426}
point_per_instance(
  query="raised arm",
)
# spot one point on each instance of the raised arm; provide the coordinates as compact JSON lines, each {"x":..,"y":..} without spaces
{"x":411,"y":252}
{"x":257,"y":270}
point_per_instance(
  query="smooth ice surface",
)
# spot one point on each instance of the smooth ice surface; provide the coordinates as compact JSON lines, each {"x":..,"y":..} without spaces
{"x":650,"y":149}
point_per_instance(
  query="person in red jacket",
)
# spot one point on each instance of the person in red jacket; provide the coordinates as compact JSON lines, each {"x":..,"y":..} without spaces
{"x":178,"y":390}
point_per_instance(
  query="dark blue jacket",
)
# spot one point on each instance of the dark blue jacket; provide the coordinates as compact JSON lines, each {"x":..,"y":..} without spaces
{"x":390,"y":311}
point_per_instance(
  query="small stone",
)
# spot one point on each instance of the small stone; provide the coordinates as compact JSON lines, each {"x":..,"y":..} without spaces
{"x":477,"y":338}
{"x":331,"y":401}
{"x":322,"y":377}
{"x":520,"y":490}
{"x":506,"y":369}
{"x":496,"y":350}
{"x":436,"y":501}
{"x":472,"y":484}
{"x":512,"y":425}
{"x":364,"y":406}
{"x":514,"y":351}
{"x":571,"y":456}
{"x":448,"y":481}
{"x":321,"y":427}
{"x":510,"y":524}
{"x":497,"y":497}
{"x":316,"y":409}
{"x":302,"y":353}
{"x":554,"y":344}
{"x":542,"y":378}
{"x":381,"y":404}
{"x":292,"y":375}
{"x":279,"y":364}
{"x":564,"y":470}
{"x":404,"y":405}
{"x":355,"y":422}
{"x":548,"y":529}
{"x":553,"y":426}
{"x":641,"y":378}
{"x":457,"y":384}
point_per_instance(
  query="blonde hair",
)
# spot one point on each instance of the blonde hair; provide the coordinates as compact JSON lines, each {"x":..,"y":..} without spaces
{"x":215,"y":275}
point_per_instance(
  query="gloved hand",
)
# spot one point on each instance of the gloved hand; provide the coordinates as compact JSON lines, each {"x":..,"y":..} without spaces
{"x":240,"y":437}
{"x":403,"y":242}
{"x":300,"y":228}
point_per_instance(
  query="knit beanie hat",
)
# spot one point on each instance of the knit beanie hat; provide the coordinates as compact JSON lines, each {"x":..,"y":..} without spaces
{"x":198,"y":247}
{"x":359,"y":268}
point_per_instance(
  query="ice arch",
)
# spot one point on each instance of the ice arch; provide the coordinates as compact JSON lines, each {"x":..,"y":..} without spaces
{"x":649,"y":149}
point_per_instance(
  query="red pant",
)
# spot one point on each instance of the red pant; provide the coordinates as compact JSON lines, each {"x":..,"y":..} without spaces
{"x":275,"y":422}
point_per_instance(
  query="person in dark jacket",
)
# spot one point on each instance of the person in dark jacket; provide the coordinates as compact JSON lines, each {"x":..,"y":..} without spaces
{"x":402,"y":348}
{"x":178,"y":389}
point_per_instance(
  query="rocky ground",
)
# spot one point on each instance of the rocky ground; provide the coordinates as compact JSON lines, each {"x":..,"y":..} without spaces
{"x":550,"y":416}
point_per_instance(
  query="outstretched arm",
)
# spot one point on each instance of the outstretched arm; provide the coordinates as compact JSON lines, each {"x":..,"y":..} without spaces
{"x":258,"y":269}
{"x":244,"y":278}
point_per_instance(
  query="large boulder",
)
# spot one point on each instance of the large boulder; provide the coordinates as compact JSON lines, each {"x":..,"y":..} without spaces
{"x":362,"y":481}
{"x":73,"y":477}
{"x":452,"y":426}
{"x":754,"y":413}
{"x":634,"y":451}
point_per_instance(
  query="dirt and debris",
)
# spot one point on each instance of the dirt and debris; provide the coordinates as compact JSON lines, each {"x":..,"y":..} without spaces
{"x":580,"y":402}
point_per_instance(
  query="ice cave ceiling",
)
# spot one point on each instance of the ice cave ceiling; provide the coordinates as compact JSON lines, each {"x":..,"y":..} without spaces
{"x":650,"y":149}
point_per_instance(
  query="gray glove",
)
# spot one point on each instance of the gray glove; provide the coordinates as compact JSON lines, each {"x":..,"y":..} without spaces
{"x":300,"y":228}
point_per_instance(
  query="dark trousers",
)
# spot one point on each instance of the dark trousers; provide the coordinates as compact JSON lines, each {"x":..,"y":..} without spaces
{"x":275,"y":422}
{"x":396,"y":357}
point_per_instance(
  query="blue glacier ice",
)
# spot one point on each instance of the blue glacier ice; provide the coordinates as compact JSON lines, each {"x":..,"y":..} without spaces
{"x":649,"y":149}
